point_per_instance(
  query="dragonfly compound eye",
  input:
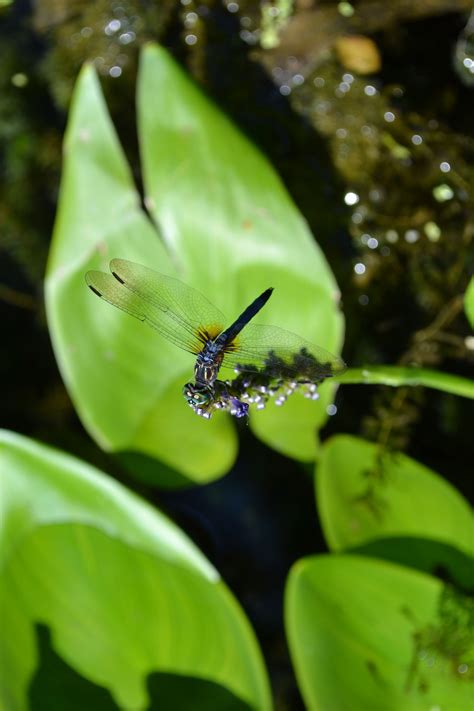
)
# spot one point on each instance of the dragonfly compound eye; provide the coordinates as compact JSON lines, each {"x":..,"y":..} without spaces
{"x":196,"y":396}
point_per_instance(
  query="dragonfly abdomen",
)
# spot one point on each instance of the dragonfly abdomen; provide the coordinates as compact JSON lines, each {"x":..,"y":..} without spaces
{"x":234,"y":329}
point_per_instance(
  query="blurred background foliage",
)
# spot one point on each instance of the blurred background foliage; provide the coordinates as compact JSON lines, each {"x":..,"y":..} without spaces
{"x":366,"y":112}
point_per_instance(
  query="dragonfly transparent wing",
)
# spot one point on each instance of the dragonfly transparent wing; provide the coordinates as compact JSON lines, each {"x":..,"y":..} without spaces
{"x":180,"y":313}
{"x":280,"y":353}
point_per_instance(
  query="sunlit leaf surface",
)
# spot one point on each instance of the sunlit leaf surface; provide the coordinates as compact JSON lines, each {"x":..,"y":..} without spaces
{"x":124,"y":594}
{"x":226,"y":226}
{"x":368,"y":635}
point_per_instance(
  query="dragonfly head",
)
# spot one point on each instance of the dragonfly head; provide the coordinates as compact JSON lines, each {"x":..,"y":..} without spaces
{"x":198,"y":395}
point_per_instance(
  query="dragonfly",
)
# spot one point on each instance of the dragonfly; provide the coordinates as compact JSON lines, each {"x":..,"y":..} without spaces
{"x":264,"y":358}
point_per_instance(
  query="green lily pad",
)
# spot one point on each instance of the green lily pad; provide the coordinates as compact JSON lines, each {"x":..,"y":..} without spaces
{"x":226,"y":226}
{"x":124,"y":594}
{"x":363,"y":495}
{"x":367,"y":635}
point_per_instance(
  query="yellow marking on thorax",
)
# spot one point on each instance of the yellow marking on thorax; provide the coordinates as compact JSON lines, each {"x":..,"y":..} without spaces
{"x":209,"y":333}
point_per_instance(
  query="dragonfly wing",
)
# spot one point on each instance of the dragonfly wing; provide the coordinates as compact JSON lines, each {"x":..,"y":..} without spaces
{"x":185,"y":305}
{"x":181,"y":314}
{"x":280,"y":353}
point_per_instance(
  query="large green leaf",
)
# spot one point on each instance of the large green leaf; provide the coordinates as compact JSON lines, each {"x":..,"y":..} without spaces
{"x":367,"y":635}
{"x":123,"y":591}
{"x":228,"y":227}
{"x":364,"y":494}
{"x":124,"y":379}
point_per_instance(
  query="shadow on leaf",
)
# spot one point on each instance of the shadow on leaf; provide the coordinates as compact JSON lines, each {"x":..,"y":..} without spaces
{"x":56,"y":686}
{"x":434,"y":557}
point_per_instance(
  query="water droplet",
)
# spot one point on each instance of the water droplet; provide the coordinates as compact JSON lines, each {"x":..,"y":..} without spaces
{"x":412,"y":236}
{"x":443,"y":192}
{"x":444,"y":167}
{"x":150,"y":205}
{"x":112,"y":27}
{"x":389,"y":116}
{"x":363,"y":299}
{"x":285,"y":90}
{"x":318,"y":82}
{"x":248,"y":37}
{"x":370,"y":90}
{"x":127,"y":37}
{"x":469,"y":342}
{"x":376,"y":194}
{"x":351,"y":198}
{"x":416,"y":139}
{"x":345,"y":9}
{"x":115,"y":71}
{"x":19,"y":80}
{"x":359,"y":268}
{"x":190,"y":40}
{"x":432,"y":231}
{"x":190,"y":19}
{"x":331,"y":410}
{"x":322,"y":107}
{"x":372,"y":243}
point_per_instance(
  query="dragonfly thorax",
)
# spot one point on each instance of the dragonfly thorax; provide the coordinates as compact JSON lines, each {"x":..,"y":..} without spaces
{"x":208,"y":362}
